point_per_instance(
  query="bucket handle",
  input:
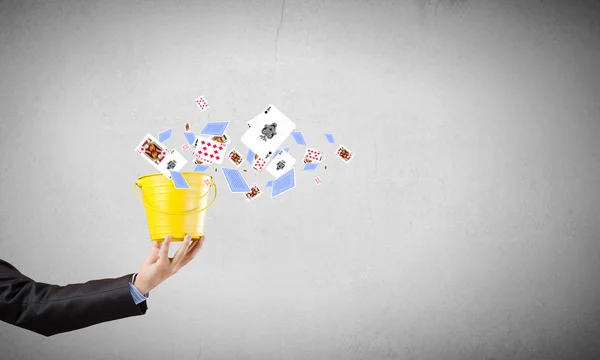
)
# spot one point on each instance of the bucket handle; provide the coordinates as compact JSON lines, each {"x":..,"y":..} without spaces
{"x":136,"y":185}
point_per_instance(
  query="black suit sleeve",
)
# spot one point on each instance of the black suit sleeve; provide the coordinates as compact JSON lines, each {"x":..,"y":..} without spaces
{"x":51,"y":309}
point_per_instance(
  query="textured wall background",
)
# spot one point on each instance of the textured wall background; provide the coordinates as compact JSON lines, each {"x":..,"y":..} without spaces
{"x":465,"y":228}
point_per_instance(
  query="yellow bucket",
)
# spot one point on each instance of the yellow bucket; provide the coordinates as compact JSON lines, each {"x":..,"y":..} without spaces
{"x":175,"y":211}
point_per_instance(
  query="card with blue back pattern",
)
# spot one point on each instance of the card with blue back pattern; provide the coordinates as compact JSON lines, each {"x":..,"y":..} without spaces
{"x":215,"y":128}
{"x":179,"y":180}
{"x":190,"y":137}
{"x":284,"y":183}
{"x":250,"y":156}
{"x":235,"y":181}
{"x":269,"y":183}
{"x":165,"y":135}
{"x":298,"y":137}
{"x":310,"y":166}
{"x":201,"y":168}
{"x":287,"y":149}
{"x":329,"y":138}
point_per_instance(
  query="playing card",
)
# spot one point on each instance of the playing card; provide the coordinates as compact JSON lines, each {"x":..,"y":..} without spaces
{"x":152,"y":150}
{"x":258,"y":163}
{"x":222,"y":138}
{"x":330,"y":138}
{"x":310,"y":166}
{"x":215,"y":128}
{"x":282,"y":162}
{"x":235,"y":181}
{"x":178,"y":180}
{"x":312,"y":156}
{"x":209,"y":151}
{"x":174,"y":161}
{"x":317,"y":180}
{"x":185,"y":147}
{"x":165,"y":135}
{"x":250,"y":156}
{"x":298,"y":138}
{"x":189,"y":137}
{"x":200,"y":168}
{"x":344,"y":153}
{"x":235,"y":157}
{"x":268,"y":132}
{"x":253,"y":193}
{"x":159,"y":156}
{"x":284,"y":183}
{"x":259,"y":116}
{"x":202,"y":104}
{"x":269,"y":183}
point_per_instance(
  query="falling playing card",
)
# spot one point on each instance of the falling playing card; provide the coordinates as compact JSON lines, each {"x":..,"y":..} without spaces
{"x":152,"y":150}
{"x":189,"y":137}
{"x":175,"y":161}
{"x":268,"y":132}
{"x":222,"y":138}
{"x":202,"y":104}
{"x":215,"y":128}
{"x":258,"y":163}
{"x":284,"y":183}
{"x":165,"y":135}
{"x":317,"y":180}
{"x":235,"y":181}
{"x":253,"y":193}
{"x":258,"y":117}
{"x":310,"y":166}
{"x":250,"y":156}
{"x":185,"y":147}
{"x":312,"y":156}
{"x":298,"y":138}
{"x":282,"y":162}
{"x":235,"y":157}
{"x":158,"y":156}
{"x":201,"y":168}
{"x":178,"y":180}
{"x":344,"y":153}
{"x":209,"y":151}
{"x":329,"y":138}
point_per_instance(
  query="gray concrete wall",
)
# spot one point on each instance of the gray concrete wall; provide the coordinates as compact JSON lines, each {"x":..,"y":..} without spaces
{"x":466,"y":227}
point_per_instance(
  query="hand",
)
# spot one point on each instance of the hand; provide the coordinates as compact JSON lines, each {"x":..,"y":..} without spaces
{"x":158,"y":267}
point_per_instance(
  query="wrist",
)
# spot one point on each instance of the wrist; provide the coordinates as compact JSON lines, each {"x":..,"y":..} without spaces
{"x":139,"y":284}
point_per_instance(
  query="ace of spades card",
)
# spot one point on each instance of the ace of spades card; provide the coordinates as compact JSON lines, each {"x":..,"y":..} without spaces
{"x":209,"y":151}
{"x":281,"y":163}
{"x":267,"y":132}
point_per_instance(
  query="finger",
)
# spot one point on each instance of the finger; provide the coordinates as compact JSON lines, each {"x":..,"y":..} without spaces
{"x":153,"y":255}
{"x":194,"y":243}
{"x":164,"y":248}
{"x":189,"y":256}
{"x":187,"y":240}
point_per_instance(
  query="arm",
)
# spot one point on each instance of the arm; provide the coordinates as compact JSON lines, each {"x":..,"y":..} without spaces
{"x":51,"y":309}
